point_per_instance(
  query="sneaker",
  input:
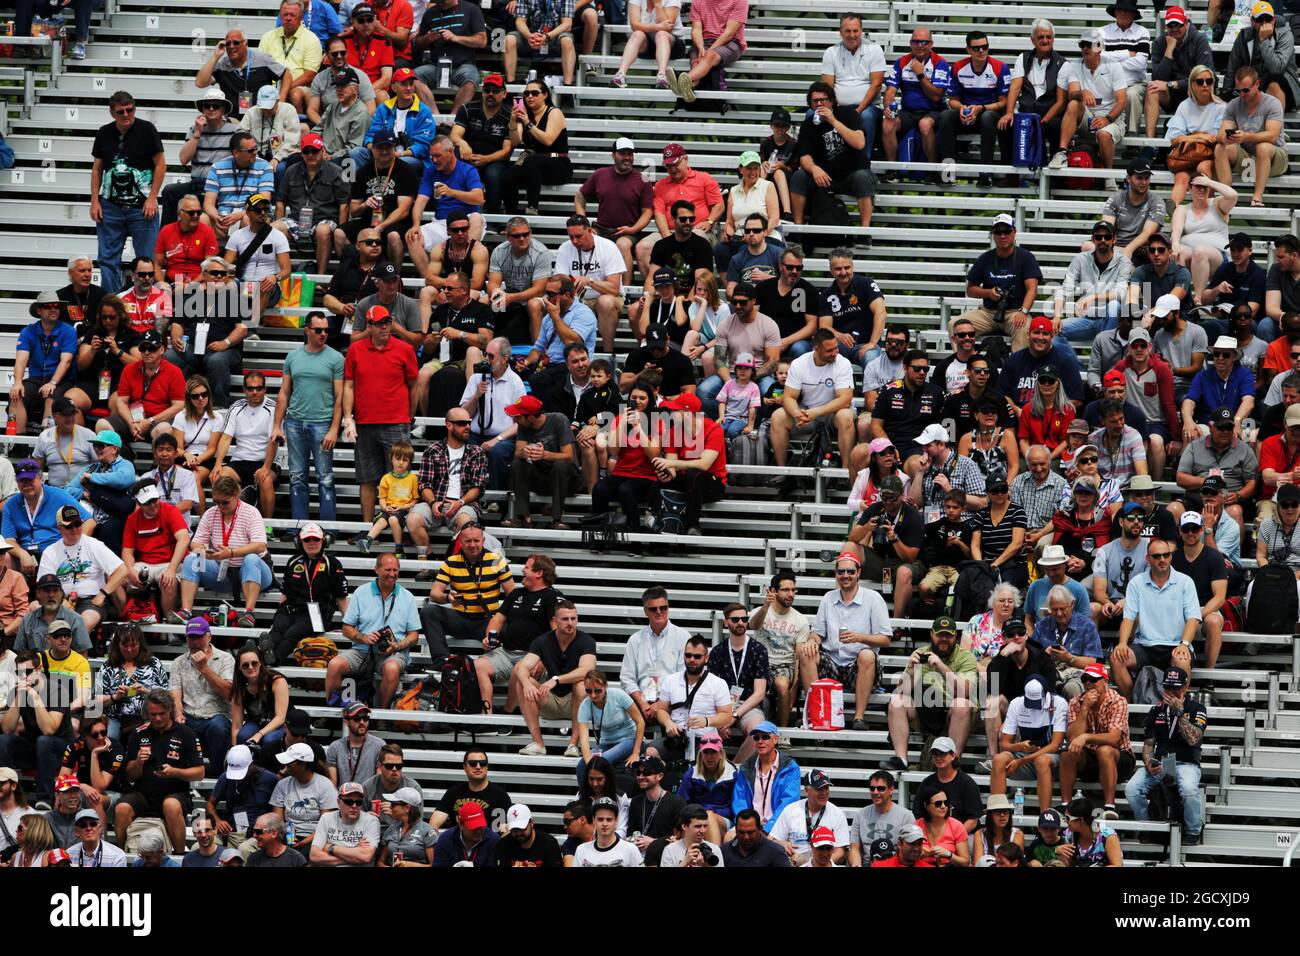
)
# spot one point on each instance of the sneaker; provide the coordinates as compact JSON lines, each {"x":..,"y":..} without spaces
{"x":895,"y":763}
{"x":507,"y":731}
{"x":79,"y":51}
{"x":400,"y":553}
{"x":985,"y":181}
{"x":532,"y":211}
{"x":428,"y":574}
{"x":532,"y":750}
{"x":686,"y":87}
{"x":181,"y":616}
{"x":494,"y":507}
{"x":618,"y":80}
{"x":572,"y":751}
{"x":860,"y":723}
{"x":1191,"y":839}
{"x":246,"y":620}
{"x":888,"y":175}
{"x":361,"y":541}
{"x":335,"y":699}
{"x":1112,"y":186}
{"x":287,"y":535}
{"x":1108,"y":812}
{"x":42,"y":806}
{"x":1059,"y":161}
{"x":670,"y":77}
{"x":661,"y":82}
{"x":695,"y":531}
{"x":590,"y":71}
{"x":985,"y":765}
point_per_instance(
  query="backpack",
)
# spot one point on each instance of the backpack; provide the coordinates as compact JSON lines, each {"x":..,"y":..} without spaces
{"x":996,"y":350}
{"x":458,"y":691}
{"x":912,"y":150}
{"x":715,"y":81}
{"x":748,"y":449}
{"x":1234,"y":614}
{"x":1147,"y":688}
{"x":822,"y":445}
{"x":1081,"y":155}
{"x":315,"y":652}
{"x":827,"y":209}
{"x":672,"y":510}
{"x":1271,"y":601}
{"x":141,"y":608}
{"x":411,"y":701}
{"x":1027,"y":141}
{"x":975,"y":583}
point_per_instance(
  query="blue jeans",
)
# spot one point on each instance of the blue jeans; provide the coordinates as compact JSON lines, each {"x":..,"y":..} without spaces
{"x":1085,"y":328}
{"x":253,"y":569}
{"x":499,"y":457}
{"x":870,"y":123}
{"x":802,"y":347}
{"x":248,"y":728}
{"x":707,"y":392}
{"x":115,"y":225}
{"x":1189,"y":788}
{"x":491,"y":176}
{"x":733,"y":427}
{"x":615,"y":12}
{"x":45,"y":755}
{"x":1265,"y":329}
{"x":615,"y":753}
{"x":214,"y":734}
{"x":304,"y":440}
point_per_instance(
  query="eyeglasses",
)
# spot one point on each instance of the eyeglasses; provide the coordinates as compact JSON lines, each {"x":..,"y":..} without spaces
{"x":360,"y":718}
{"x":255,"y":388}
{"x":218,"y":273}
{"x":1157,"y":250}
{"x":391,"y":766}
{"x":145,"y":275}
{"x":685,"y":218}
{"x":1090,"y":460}
{"x":368,"y":242}
{"x":760,"y":737}
{"x":245,"y":149}
{"x":458,"y":229}
{"x":337,"y":53}
{"x":920,"y":42}
{"x":234,"y":43}
{"x":476,"y":764}
{"x":352,"y":803}
{"x":320,"y":330}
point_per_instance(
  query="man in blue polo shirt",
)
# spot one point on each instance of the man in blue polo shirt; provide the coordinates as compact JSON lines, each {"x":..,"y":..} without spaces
{"x":383,"y":624}
{"x":1162,"y":606}
{"x":452,"y":186}
{"x":565,"y":320}
{"x":43,"y":365}
{"x":28,"y":519}
{"x":1223,"y":383}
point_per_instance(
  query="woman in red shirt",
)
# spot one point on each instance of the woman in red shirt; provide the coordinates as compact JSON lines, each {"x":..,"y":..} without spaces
{"x":633,"y":478}
{"x":1045,"y":418}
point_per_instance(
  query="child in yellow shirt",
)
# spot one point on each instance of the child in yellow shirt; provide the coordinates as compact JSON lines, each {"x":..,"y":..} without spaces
{"x":399,"y":490}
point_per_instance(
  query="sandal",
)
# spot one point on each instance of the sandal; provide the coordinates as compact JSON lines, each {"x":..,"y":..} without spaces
{"x":517,"y":523}
{"x":1257,"y":203}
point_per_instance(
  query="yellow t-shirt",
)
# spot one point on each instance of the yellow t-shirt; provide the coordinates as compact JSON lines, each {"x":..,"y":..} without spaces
{"x":74,"y":666}
{"x":399,"y":491}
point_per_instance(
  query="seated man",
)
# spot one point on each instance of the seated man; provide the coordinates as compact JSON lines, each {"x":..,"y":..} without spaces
{"x":486,"y":397}
{"x":936,"y":692}
{"x":677,"y":370}
{"x":232,"y":182}
{"x":206,"y":338}
{"x":565,"y":320}
{"x":851,"y":625}
{"x":383,"y":625}
{"x":88,"y":571}
{"x":481,"y":134}
{"x":163,"y":759}
{"x":1097,"y":731}
{"x":461,"y":329}
{"x":348,"y":835}
{"x":1030,"y":741}
{"x":36,"y":725}
{"x":249,"y":424}
{"x":42,"y":365}
{"x":819,"y":385}
{"x":29,"y":519}
{"x":448,"y":187}
{"x":890,"y":532}
{"x":561,"y":658}
{"x":199,"y":682}
{"x":517,"y":273}
{"x":382,"y":196}
{"x":543,"y":461}
{"x":154,"y":543}
{"x":1069,"y":638}
{"x":48,"y":608}
{"x":1221,"y":452}
{"x":468,"y":590}
{"x":1171,"y":748}
{"x":259,"y":267}
{"x":689,"y":453}
{"x":684,"y":707}
{"x":453,"y":474}
{"x":177,"y":486}
{"x":524,"y":615}
{"x":915,"y":89}
{"x":1205,"y":566}
{"x":1251,"y":129}
{"x":748,"y":684}
{"x":1162,"y":607}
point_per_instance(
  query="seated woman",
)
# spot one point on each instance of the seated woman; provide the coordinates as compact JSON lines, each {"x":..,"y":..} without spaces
{"x":632,"y":478}
{"x":105,"y":346}
{"x":705,"y":312}
{"x":946,"y":840}
{"x":983,"y":635}
{"x":540,"y":128}
{"x":1081,"y":528}
{"x":259,"y":700}
{"x":1046,"y":417}
{"x":999,"y":536}
{"x":227,"y":553}
{"x":653,"y":34}
{"x":710,"y":782}
{"x":992,"y":447}
{"x":197,"y":430}
{"x":1196,"y":121}
{"x":313,"y":586}
{"x":753,"y":194}
{"x":130,"y":671}
{"x":1199,"y":232}
{"x":883,"y":461}
{"x":1095,"y":844}
{"x":610,"y":725}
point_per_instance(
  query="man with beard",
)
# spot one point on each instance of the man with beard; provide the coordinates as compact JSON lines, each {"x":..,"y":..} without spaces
{"x":524,"y":844}
{"x":626,"y":200}
{"x":783,"y":631}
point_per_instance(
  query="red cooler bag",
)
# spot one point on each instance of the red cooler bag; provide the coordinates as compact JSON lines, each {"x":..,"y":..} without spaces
{"x":824,"y":708}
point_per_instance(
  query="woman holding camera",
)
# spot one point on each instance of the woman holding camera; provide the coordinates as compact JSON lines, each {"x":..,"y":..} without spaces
{"x":259,"y":700}
{"x":105,"y":346}
{"x":128,"y":674}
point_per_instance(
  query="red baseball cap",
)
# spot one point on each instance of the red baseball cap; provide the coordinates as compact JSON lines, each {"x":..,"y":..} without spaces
{"x":673,"y":152}
{"x":494,"y":79}
{"x":65,"y":782}
{"x":405,"y":73}
{"x":471,"y":815}
{"x":1040,"y":323}
{"x":1095,"y":670}
{"x":377,"y":313}
{"x":1175,"y":15}
{"x":528,"y":405}
{"x":823,"y":836}
{"x":1113,"y":377}
{"x":56,"y":856}
{"x":682,"y":403}
{"x":312,"y":140}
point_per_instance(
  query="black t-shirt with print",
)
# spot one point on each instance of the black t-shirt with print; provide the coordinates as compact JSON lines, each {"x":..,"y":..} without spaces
{"x":677,"y":368}
{"x":752,"y":661}
{"x":469,"y":320}
{"x":682,"y":258}
{"x":528,"y":615}
{"x":544,"y":852}
{"x":321,"y":580}
{"x":484,"y":134}
{"x":126,"y":160}
{"x":77,"y":756}
{"x":405,"y":181}
{"x":178,"y":747}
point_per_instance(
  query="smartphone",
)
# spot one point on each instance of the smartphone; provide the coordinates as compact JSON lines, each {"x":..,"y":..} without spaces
{"x":519,"y":102}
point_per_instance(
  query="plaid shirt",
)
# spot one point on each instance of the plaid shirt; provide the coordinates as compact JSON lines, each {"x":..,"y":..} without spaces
{"x":435,"y":471}
{"x":1038,"y":501}
{"x":544,"y":13}
{"x":962,"y":473}
{"x":1112,"y":714}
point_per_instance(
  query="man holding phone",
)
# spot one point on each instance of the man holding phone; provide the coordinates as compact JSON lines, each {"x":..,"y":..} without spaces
{"x":936,"y":692}
{"x":1251,"y":132}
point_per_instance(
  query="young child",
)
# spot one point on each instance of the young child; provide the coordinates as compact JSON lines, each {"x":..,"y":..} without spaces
{"x":778,"y":154}
{"x":739,"y":400}
{"x":946,"y":544}
{"x":602,"y":397}
{"x":775,"y":392}
{"x":398,"y":493}
{"x":1076,"y":435}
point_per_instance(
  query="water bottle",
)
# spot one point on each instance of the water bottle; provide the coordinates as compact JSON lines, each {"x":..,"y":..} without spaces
{"x":1020,"y":802}
{"x":288,"y":834}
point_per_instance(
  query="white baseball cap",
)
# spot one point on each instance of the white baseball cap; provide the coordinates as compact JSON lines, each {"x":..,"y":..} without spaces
{"x":239,"y":758}
{"x":624,"y":143}
{"x":518,"y":817}
{"x":1166,"y":304}
{"x":933,"y":433}
{"x":301,"y":752}
{"x":148,"y":493}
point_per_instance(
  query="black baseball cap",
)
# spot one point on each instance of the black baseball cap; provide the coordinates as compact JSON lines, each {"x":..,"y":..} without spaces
{"x":656,"y":337}
{"x":881,"y":850}
{"x":1138,"y":167}
{"x":745,"y":288}
{"x":385,"y":137}
{"x":779,"y":117}
{"x":386,"y":270}
{"x":345,"y":76}
{"x":1240,"y":240}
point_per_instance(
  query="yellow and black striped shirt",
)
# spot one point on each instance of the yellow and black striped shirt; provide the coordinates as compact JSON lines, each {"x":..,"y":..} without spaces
{"x":479,"y":586}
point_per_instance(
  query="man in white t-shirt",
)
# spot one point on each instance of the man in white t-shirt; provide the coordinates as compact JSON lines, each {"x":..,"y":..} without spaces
{"x":1031,"y":739}
{"x":88,"y":570}
{"x":1097,"y":91}
{"x":348,"y":836}
{"x":857,"y":71}
{"x":598,"y":272}
{"x":249,"y":425}
{"x":269,"y":262}
{"x":486,"y":398}
{"x":799,"y":820}
{"x":781,"y":629}
{"x":691,"y":699}
{"x":819,"y":385}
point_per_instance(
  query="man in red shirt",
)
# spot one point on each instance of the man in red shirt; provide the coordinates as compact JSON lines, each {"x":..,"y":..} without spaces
{"x":910,"y":842}
{"x":1277,"y":358}
{"x":699,"y":189}
{"x":1279,"y":462}
{"x":154,"y":543}
{"x":689,"y":454}
{"x":378,"y":370}
{"x":394,"y":22}
{"x":150,"y":393}
{"x":368,"y":52}
{"x":145,"y":301}
{"x":184,"y":244}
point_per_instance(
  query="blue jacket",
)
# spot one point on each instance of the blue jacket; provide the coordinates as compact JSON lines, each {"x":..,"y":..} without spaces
{"x":787,"y":787}
{"x":715,"y":795}
{"x":450,"y":848}
{"x":14,"y":523}
{"x":421,"y":125}
{"x":119,"y":477}
{"x":1081,"y":637}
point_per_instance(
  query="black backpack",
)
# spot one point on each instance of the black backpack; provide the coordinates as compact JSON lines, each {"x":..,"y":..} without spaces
{"x":712,"y":82}
{"x":1271,"y":608}
{"x":975,"y":583}
{"x":458,"y":691}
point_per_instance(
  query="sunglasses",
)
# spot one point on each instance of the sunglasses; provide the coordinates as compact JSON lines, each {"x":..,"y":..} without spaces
{"x":85,"y":824}
{"x":979,"y":371}
{"x":380,"y":322}
{"x":1289,"y":505}
{"x":249,"y":665}
{"x":458,"y":421}
{"x":918,"y":368}
{"x":1090,"y":460}
{"x":1139,"y":345}
{"x":760,"y":736}
{"x":352,"y":803}
{"x":694,"y":657}
{"x":1103,"y":237}
{"x":145,"y":275}
{"x":920,"y":42}
{"x":657,"y":609}
{"x":337,"y":53}
{"x":1046,"y":380}
{"x":320,"y":330}
{"x":740,"y":303}
{"x":1204,"y":81}
{"x":533,"y":93}
{"x":963,"y":335}
{"x":982,"y":48}
{"x":1160,"y":250}
{"x":213,"y":106}
{"x":1160,"y":555}
{"x":685,"y":218}
{"x":737,"y":619}
{"x":753,"y":232}
{"x":1224,"y":427}
{"x":476,"y":764}
{"x":1242,"y":90}
{"x":938,"y":803}
{"x":1224,"y":354}
{"x":846,"y":571}
{"x":364,"y":20}
{"x":797,"y":267}
{"x":309,"y":150}
{"x":877,"y":788}
{"x":255,"y":388}
{"x":124,"y":111}
{"x":368,"y":242}
{"x":198,"y":395}
{"x":521,"y":235}
{"x":365,"y":717}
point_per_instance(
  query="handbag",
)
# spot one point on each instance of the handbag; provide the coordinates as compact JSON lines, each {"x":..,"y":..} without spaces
{"x":1186,"y":155}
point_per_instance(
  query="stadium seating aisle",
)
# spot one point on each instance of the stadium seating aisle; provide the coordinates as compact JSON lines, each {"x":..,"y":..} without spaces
{"x":924,"y":238}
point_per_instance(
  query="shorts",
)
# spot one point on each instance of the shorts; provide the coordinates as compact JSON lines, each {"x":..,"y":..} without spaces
{"x":371,"y":459}
{"x":846,"y":674}
{"x":1115,"y":129}
{"x":525,"y":52}
{"x":556,"y":708}
{"x":84,"y":604}
{"x":1088,"y":765}
{"x":32,"y":399}
{"x":433,"y":233}
{"x":859,"y":183}
{"x":1028,"y":773}
{"x":503,"y":661}
{"x":246,"y":469}
{"x":352,"y":228}
{"x":460,"y":75}
{"x":728,"y":53}
{"x":937,"y":577}
{"x":1277,"y":167}
{"x":788,"y":671}
{"x":1159,"y":429}
{"x":933,"y":720}
{"x":360,"y":660}
{"x":910,"y":119}
{"x":425,"y":513}
{"x":296,"y":232}
{"x":151,"y":805}
{"x":1152,"y":655}
{"x":400,"y":514}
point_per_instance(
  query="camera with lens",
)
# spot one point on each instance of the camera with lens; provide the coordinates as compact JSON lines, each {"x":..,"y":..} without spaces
{"x":386,"y":639}
{"x":706,"y":851}
{"x":482,"y":368}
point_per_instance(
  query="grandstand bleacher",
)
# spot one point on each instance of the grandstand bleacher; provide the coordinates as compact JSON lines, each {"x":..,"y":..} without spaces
{"x":924,"y":239}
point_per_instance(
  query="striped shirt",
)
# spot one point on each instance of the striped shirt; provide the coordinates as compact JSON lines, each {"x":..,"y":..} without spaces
{"x":1119,"y":463}
{"x":216,"y":533}
{"x":1037,"y":501}
{"x":213,"y":146}
{"x":481,"y":588}
{"x":234,"y":186}
{"x":996,"y":538}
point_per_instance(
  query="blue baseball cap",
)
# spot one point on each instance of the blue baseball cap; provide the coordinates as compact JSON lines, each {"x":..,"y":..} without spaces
{"x":766,"y":727}
{"x":1131,"y":507}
